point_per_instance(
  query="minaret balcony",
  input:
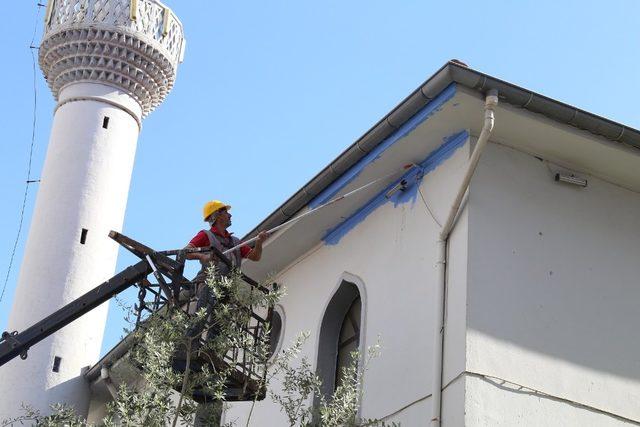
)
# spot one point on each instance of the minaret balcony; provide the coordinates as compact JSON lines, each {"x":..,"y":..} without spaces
{"x":135,"y":45}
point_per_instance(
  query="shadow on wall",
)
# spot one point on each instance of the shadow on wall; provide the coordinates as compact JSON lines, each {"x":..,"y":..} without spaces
{"x":62,"y":393}
{"x":554,"y":268}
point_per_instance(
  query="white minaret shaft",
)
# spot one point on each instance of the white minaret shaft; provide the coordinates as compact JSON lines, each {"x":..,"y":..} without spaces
{"x":83,"y":193}
{"x":108,"y":63}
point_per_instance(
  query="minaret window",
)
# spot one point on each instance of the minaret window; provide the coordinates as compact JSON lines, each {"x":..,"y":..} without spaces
{"x":56,"y":364}
{"x":105,"y":122}
{"x":83,"y":236}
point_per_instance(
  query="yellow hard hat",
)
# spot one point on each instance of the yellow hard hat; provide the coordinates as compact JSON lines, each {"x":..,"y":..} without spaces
{"x":213,"y":206}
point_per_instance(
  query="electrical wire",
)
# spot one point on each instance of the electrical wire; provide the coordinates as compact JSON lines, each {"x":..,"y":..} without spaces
{"x":515,"y":388}
{"x":33,"y":138}
{"x":426,"y":205}
{"x":322,"y":206}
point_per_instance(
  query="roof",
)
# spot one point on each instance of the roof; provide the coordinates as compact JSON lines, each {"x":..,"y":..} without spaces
{"x":430,"y":97}
{"x":451,"y":72}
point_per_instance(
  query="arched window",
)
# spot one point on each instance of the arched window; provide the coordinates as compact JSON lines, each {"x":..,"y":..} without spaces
{"x":277,"y":329}
{"x":339,"y":335}
{"x":349,"y":339}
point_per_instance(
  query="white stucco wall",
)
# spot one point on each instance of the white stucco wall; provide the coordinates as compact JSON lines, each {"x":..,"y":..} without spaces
{"x":392,"y":253}
{"x":552,"y":297}
{"x":520,"y":408}
{"x":85,"y":184}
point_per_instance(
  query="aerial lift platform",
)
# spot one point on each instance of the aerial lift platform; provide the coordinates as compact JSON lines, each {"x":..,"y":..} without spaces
{"x":159,"y":276}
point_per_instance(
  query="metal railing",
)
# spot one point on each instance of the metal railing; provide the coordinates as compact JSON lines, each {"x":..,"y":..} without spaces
{"x":161,"y":290}
{"x":167,"y":289}
{"x":148,"y":20}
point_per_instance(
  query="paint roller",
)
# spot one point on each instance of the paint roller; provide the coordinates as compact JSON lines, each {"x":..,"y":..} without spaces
{"x":401,"y":186}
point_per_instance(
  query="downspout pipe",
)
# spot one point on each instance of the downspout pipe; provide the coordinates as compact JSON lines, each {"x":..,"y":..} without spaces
{"x":106,"y":377}
{"x":491,"y":101}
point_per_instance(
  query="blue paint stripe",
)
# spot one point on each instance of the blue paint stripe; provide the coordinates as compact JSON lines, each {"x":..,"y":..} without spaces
{"x":413,"y":177}
{"x":433,"y":106}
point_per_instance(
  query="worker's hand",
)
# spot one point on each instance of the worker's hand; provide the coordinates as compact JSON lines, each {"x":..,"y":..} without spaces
{"x":262,"y":236}
{"x":205,"y":257}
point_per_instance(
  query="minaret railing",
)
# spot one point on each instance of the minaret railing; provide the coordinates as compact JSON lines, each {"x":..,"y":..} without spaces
{"x":149,"y":19}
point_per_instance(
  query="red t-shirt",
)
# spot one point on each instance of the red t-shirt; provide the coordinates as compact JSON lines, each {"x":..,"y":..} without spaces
{"x":201,"y":240}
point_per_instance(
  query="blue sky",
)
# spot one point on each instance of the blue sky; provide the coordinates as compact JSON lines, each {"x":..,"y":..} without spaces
{"x":270,"y":92}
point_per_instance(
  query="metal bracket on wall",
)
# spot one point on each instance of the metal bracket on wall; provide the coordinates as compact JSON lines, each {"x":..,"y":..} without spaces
{"x":48,"y":13}
{"x":166,"y":15}
{"x":133,"y":10}
{"x":10,"y":337}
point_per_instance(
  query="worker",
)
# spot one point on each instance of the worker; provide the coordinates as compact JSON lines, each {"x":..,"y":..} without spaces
{"x":217,"y":214}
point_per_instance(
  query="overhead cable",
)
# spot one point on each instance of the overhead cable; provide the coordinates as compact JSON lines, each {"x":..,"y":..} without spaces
{"x":28,"y":181}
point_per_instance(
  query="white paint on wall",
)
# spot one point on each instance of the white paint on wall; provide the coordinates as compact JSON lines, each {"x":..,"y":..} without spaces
{"x":552,"y":295}
{"x":84,"y":185}
{"x":541,"y":291}
{"x":393,"y":253}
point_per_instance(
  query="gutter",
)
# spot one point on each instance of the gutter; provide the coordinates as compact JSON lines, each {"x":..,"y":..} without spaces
{"x":451,"y":72}
{"x":108,"y":381}
{"x":109,"y":359}
{"x":491,"y":101}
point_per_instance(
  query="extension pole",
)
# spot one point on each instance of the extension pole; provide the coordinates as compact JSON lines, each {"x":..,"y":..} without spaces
{"x":312,"y":211}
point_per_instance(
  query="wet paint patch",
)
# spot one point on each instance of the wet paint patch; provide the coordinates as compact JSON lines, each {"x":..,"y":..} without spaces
{"x":423,"y":114}
{"x":413,"y":178}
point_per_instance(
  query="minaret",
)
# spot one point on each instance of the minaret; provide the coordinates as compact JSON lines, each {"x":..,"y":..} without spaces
{"x":109,"y":63}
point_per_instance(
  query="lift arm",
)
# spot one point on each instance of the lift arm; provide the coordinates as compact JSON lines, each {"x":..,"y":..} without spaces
{"x":159,"y":264}
{"x":17,"y":343}
{"x":247,"y":378}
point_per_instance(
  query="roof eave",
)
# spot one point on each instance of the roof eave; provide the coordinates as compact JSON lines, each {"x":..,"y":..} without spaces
{"x":451,"y":72}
